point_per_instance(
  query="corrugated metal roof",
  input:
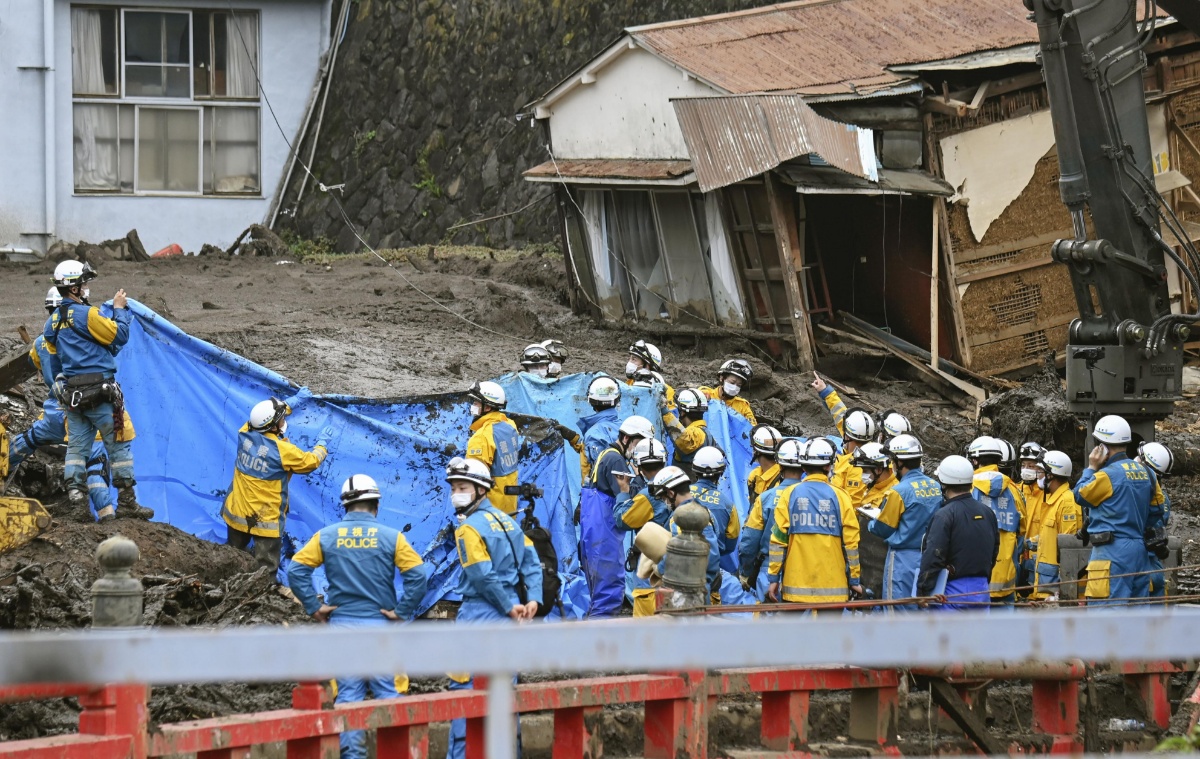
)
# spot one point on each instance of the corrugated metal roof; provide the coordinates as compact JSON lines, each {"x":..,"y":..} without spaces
{"x":833,"y":45}
{"x":826,"y":180}
{"x":737,"y":137}
{"x":582,"y":170}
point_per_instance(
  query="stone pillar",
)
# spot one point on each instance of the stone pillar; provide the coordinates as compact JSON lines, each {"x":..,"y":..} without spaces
{"x":686,"y":566}
{"x":117,"y":596}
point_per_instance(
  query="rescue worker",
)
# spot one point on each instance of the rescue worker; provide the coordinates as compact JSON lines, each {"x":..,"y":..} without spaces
{"x":708,"y":466}
{"x":360,"y":556}
{"x":601,"y":544}
{"x":856,"y":427}
{"x":600,"y":427}
{"x":692,"y":405}
{"x":1008,"y":459}
{"x":51,"y":429}
{"x":636,"y":505}
{"x":1030,"y":483}
{"x":733,"y":379}
{"x":1158,"y":459}
{"x":764,"y":439}
{"x":877,"y":473}
{"x":755,"y":543}
{"x":904,"y":517}
{"x":674,"y":488}
{"x":893,"y":423}
{"x":558,"y":357}
{"x":963,"y":541}
{"x":494,"y":441}
{"x":257,"y":504}
{"x":535,"y":360}
{"x":814,"y":540}
{"x":995,"y":490}
{"x":502,"y":575}
{"x":81,"y":347}
{"x":1060,"y":516}
{"x":1116,"y":493}
{"x":643,"y":355}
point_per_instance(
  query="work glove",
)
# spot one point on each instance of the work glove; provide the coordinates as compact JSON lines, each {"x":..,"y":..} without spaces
{"x":326,"y":433}
{"x":60,"y":388}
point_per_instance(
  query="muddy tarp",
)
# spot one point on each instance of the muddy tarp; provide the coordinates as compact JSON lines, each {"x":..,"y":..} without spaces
{"x":188,"y":399}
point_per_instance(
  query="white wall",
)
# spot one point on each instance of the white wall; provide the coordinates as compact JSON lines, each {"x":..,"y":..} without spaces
{"x":626,"y":112}
{"x":294,"y":34}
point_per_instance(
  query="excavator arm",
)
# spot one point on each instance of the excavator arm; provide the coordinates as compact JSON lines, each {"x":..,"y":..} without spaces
{"x":1125,"y":351}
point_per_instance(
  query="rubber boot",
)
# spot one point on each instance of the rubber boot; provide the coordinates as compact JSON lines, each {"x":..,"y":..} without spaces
{"x":128,"y":507}
{"x":106,"y":514}
{"x":79,"y":505}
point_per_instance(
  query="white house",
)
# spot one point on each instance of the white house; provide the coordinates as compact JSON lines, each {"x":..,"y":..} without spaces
{"x":149,"y":115}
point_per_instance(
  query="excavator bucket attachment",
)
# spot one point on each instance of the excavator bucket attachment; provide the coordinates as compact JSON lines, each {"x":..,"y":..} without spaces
{"x":21,"y":520}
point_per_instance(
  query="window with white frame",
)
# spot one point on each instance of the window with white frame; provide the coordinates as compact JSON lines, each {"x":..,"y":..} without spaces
{"x":165,"y":101}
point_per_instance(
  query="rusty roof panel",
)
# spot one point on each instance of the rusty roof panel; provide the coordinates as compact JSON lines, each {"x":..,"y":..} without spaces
{"x":814,"y":44}
{"x":600,"y":168}
{"x":737,"y":137}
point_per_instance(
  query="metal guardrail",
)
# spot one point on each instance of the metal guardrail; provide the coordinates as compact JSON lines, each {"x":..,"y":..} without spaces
{"x":313,"y":653}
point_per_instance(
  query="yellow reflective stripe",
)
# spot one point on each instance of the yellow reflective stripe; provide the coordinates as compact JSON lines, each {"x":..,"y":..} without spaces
{"x":996,"y":587}
{"x":814,"y":591}
{"x":232,"y":518}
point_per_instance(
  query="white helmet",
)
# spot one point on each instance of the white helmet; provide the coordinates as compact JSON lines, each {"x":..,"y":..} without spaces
{"x":984,"y":445}
{"x":556,"y":349}
{"x":605,"y":391}
{"x":790,"y":452}
{"x":818,"y":452}
{"x":1112,"y":430}
{"x":709,"y":463}
{"x":1157,"y":456}
{"x":358,"y":488}
{"x":53,"y":299}
{"x":738,"y":368}
{"x":70,"y":273}
{"x":690,"y":400}
{"x":266,"y":414}
{"x":488,"y":393}
{"x":954,"y":470}
{"x":646,"y":378}
{"x":904,"y":447}
{"x":669,"y":478}
{"x":1056,"y":463}
{"x":1031,"y":451}
{"x":895,"y":423}
{"x":871,"y":455}
{"x":1008,"y":453}
{"x":765,"y":439}
{"x":637,"y":426}
{"x":535,"y":355}
{"x":469,"y":470}
{"x":858,"y":426}
{"x":648,"y":353}
{"x":648,"y":451}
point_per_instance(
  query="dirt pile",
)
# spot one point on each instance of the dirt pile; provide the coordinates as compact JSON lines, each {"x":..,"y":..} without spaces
{"x":1037,"y":410}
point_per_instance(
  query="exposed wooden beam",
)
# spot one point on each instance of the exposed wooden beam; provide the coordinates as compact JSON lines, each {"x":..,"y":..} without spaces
{"x":986,"y":251}
{"x":15,"y":368}
{"x":944,"y":695}
{"x":791,"y":259}
{"x":983,"y":338}
{"x":1000,"y":271}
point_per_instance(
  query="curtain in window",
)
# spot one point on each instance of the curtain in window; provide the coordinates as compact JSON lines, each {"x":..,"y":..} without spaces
{"x":235,"y":130}
{"x":242,"y":33}
{"x":726,"y":298}
{"x":95,"y":125}
{"x":638,"y":247}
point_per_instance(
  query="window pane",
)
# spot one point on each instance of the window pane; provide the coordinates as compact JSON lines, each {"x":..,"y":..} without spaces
{"x":220,"y":35}
{"x":201,"y":52}
{"x":168,"y":150}
{"x":95,"y":146}
{"x":232,"y":156}
{"x":93,"y":51}
{"x":143,"y":37}
{"x":125,"y":150}
{"x":178,"y":38}
{"x":144,"y":81}
{"x":179,"y":82}
{"x":242,"y":62}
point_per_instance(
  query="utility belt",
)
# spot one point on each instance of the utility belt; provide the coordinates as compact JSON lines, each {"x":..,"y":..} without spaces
{"x":1100,"y":538}
{"x":1156,"y":542}
{"x":87,"y":391}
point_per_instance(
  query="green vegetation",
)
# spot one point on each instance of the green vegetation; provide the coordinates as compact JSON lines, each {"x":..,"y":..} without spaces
{"x":305,"y":249}
{"x":361,"y":139}
{"x":1181,"y":744}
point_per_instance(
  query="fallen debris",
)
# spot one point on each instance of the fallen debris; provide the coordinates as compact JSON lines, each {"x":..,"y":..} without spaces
{"x":262,"y":242}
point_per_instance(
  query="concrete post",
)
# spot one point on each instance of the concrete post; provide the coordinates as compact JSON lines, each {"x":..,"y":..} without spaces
{"x":117,"y":596}
{"x":686,"y":565}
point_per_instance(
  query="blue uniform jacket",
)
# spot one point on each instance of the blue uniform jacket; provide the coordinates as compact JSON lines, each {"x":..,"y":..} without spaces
{"x":599,"y":431}
{"x":494,"y":553}
{"x":755,"y":540}
{"x":708,"y":495}
{"x":920,"y":496}
{"x":81,"y":340}
{"x":713,"y":570}
{"x":361,"y":557}
{"x":1118,"y":497}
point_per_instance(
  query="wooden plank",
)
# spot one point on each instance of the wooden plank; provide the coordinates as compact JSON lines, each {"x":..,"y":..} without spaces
{"x":945,"y":696}
{"x":1000,"y":271}
{"x":933,"y":291}
{"x":974,"y":254}
{"x":15,"y":368}
{"x":962,"y":393}
{"x":791,"y":259}
{"x":983,"y":338}
{"x":748,"y":311}
{"x":774,"y":274}
{"x":764,"y":291}
{"x":24,"y":333}
{"x":933,"y":164}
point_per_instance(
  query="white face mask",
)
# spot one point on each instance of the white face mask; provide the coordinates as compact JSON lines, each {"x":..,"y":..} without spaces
{"x":630,"y":368}
{"x":554,"y":369}
{"x":476,"y":409}
{"x":1041,"y":481}
{"x":283,"y":427}
{"x":461,"y":500}
{"x":86,"y":292}
{"x":1029,"y":474}
{"x":731,"y":389}
{"x":540,"y":371}
{"x":460,"y":518}
{"x":868,"y":479}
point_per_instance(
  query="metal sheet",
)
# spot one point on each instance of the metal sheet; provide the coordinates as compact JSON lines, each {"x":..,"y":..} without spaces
{"x":734,"y":138}
{"x":848,"y":43}
{"x":973,"y":61}
{"x":316,"y":652}
{"x":634,"y":170}
{"x":827,"y":180}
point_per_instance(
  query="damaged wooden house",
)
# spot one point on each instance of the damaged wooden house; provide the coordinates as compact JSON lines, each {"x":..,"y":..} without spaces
{"x":888,"y":159}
